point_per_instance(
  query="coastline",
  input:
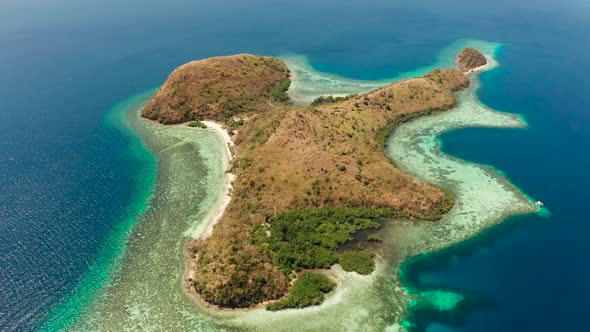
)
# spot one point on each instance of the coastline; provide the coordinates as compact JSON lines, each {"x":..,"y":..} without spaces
{"x":484,"y":196}
{"x":212,"y":218}
{"x":410,"y":239}
{"x":192,"y":186}
{"x":453,"y":231}
{"x":479,"y":69}
{"x":308,"y":84}
{"x":225,"y":199}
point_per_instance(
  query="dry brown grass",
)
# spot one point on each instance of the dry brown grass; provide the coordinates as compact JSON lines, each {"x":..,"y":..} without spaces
{"x":470,"y":58}
{"x":307,"y":158}
{"x":216,"y":88}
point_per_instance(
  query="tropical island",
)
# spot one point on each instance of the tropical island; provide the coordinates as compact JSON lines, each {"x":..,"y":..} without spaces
{"x":308,"y":179}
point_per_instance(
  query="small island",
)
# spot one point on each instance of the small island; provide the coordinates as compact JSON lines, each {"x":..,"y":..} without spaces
{"x":307,"y":179}
{"x":470,"y":59}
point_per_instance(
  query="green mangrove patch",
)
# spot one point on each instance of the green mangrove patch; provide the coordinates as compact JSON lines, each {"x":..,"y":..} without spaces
{"x":309,"y":239}
{"x":308,"y":290}
{"x":360,"y":261}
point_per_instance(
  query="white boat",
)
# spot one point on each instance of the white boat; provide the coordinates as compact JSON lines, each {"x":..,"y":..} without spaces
{"x":539,"y":203}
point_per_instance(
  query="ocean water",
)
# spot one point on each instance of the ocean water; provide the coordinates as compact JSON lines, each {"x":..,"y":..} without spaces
{"x":73,"y":186}
{"x":309,"y":83}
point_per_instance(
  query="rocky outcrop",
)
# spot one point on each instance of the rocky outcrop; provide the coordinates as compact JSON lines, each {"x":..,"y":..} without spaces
{"x":471,"y":58}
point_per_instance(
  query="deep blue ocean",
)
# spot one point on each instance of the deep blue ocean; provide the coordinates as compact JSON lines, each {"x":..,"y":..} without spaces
{"x":67,"y":178}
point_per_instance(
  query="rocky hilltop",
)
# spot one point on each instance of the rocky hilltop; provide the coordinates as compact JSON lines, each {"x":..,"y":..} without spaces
{"x":306,"y":178}
{"x":471,"y":58}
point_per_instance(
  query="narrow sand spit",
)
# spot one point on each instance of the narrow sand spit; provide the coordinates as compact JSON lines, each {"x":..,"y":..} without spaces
{"x":476,"y":70}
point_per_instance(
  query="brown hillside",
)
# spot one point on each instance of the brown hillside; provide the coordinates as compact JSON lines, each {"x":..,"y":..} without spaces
{"x":216,"y":88}
{"x":281,"y":155}
{"x":471,"y":58}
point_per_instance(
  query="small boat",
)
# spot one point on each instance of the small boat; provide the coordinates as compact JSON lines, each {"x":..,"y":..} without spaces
{"x":539,"y":203}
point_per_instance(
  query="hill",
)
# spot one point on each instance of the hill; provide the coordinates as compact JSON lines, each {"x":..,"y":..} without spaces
{"x":217,"y":88}
{"x":470,"y":58}
{"x":306,"y":178}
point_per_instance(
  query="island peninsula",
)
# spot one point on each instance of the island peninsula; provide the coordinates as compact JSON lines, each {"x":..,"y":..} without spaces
{"x":307,"y":178}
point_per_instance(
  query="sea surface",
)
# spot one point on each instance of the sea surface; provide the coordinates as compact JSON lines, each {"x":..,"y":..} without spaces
{"x":77,"y":181}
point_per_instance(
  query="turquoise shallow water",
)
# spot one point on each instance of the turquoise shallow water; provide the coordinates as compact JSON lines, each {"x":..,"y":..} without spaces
{"x":309,"y":83}
{"x":483,"y":196}
{"x":109,"y":263}
{"x":145,"y":290}
{"x":68,"y":179}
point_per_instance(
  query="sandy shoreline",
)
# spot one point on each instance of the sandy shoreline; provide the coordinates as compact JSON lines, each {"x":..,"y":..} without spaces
{"x":212,"y":218}
{"x":228,"y":178}
{"x":476,"y":70}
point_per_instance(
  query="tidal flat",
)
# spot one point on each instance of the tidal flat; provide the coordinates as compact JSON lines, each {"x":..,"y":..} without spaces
{"x":147,"y":291}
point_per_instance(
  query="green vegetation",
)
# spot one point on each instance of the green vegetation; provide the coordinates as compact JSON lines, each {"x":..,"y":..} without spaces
{"x":308,"y":239}
{"x":359,"y":261}
{"x":279,"y":92}
{"x":308,"y":290}
{"x":374,"y":238}
{"x":233,"y":124}
{"x":197,"y":124}
{"x":238,"y":292}
{"x":330,"y":99}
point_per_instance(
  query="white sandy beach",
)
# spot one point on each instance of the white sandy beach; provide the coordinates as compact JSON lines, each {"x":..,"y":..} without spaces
{"x":476,"y":70}
{"x":228,"y":178}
